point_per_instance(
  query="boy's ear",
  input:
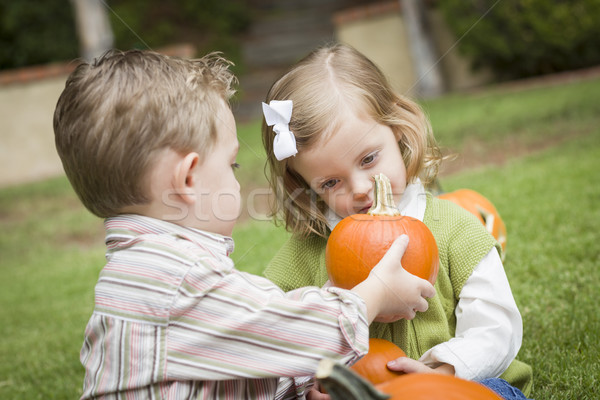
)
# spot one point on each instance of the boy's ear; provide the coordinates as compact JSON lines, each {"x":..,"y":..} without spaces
{"x":184,"y":178}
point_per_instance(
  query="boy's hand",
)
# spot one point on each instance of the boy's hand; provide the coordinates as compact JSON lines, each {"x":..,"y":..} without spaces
{"x":392,"y":293}
{"x":405,"y":293}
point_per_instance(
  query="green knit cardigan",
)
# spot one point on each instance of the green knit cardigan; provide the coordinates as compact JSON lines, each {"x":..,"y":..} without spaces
{"x":462,"y":242}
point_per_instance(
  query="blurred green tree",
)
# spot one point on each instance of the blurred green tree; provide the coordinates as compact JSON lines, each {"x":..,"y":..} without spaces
{"x":208,"y":24}
{"x":522,"y":38}
{"x":41,"y":31}
{"x":36,"y":32}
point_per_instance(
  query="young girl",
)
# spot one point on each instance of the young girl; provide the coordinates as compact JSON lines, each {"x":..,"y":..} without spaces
{"x":332,"y":123}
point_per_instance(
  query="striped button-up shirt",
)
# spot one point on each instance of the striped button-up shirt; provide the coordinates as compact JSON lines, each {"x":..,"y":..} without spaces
{"x":174,"y":319}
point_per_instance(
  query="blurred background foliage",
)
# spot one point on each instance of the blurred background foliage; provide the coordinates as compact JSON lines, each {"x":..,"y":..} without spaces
{"x":41,"y":31}
{"x":515,"y":38}
{"x":523,"y":38}
{"x":208,"y":24}
{"x":36,"y":32}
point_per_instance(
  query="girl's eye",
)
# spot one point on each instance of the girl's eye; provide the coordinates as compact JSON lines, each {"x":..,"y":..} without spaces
{"x":369,"y":159}
{"x":235,"y":166}
{"x":329,"y":184}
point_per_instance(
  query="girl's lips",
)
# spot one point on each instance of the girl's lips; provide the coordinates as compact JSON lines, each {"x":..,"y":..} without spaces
{"x":364,"y":209}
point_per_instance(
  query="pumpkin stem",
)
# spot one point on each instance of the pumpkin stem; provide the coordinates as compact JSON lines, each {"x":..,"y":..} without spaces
{"x":343,"y":384}
{"x":383,"y":201}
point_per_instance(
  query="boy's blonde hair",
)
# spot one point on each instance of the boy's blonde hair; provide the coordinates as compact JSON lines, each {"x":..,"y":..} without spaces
{"x":321,"y":85}
{"x":116,"y":114}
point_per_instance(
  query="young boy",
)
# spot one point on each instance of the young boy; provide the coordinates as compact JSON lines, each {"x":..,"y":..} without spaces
{"x":149,"y":143}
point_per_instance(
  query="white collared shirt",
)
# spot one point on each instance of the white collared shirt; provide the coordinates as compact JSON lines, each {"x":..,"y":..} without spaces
{"x":489,"y":328}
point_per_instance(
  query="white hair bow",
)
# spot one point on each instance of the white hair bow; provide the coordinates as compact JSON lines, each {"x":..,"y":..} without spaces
{"x":278,"y":113}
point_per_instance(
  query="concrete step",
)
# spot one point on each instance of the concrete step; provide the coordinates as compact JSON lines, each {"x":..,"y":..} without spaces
{"x":282,"y":32}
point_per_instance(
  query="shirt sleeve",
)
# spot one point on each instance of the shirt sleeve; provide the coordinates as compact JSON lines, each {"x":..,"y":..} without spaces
{"x":489,"y":327}
{"x":238,"y":325}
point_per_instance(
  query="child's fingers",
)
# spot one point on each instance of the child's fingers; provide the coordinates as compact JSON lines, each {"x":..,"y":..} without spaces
{"x":428,"y":290}
{"x":408,"y":365}
{"x":422,"y":305}
{"x":388,"y":319}
{"x":410,"y":314}
{"x":425,"y":288}
{"x":315,"y":393}
{"x":402,"y":242}
{"x":397,"y":249}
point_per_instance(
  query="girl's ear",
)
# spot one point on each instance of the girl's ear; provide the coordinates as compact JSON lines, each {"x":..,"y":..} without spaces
{"x":184,"y":177}
{"x":397,"y":134}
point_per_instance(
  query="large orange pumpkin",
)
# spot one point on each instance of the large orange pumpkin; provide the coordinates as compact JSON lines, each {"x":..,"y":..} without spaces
{"x":435,"y":387}
{"x":373,"y":366}
{"x":342,"y":383}
{"x":359,"y":241}
{"x":483,"y":209}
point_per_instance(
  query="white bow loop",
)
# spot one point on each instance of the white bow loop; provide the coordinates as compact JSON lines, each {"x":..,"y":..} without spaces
{"x":278,"y":114}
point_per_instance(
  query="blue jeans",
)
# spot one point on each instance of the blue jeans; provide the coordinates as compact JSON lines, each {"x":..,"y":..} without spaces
{"x":504,"y":389}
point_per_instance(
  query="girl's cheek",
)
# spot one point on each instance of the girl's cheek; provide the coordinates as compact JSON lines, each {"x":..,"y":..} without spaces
{"x":334,"y":204}
{"x":341,"y":204}
{"x":346,"y":209}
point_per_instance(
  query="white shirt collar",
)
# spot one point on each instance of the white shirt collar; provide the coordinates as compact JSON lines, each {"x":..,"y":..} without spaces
{"x":412,"y":204}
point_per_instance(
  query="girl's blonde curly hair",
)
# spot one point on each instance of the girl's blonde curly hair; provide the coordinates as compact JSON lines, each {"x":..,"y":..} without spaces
{"x":319,"y":85}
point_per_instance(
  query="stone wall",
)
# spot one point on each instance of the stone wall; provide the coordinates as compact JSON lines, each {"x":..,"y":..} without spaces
{"x":27,"y":151}
{"x":28,"y":97}
{"x":379,"y":31}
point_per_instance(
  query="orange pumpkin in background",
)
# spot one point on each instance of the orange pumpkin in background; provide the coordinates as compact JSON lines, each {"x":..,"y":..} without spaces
{"x":359,"y":241}
{"x":373,"y":366}
{"x":483,"y":209}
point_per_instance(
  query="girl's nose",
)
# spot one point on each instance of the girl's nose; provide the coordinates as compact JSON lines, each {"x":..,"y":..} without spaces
{"x":362,"y":186}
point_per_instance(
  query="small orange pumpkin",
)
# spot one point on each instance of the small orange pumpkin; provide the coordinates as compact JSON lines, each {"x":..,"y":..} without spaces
{"x":359,"y":241}
{"x":434,"y":387}
{"x":483,"y":209}
{"x":373,"y":366}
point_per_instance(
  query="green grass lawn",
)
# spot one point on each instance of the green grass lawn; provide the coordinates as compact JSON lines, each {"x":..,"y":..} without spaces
{"x":51,"y":249}
{"x":549,"y":202}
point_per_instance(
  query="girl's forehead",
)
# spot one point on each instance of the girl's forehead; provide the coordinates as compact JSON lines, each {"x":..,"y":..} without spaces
{"x":326,"y":113}
{"x":352,"y":129}
{"x":341,"y":120}
{"x":353,"y":139}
